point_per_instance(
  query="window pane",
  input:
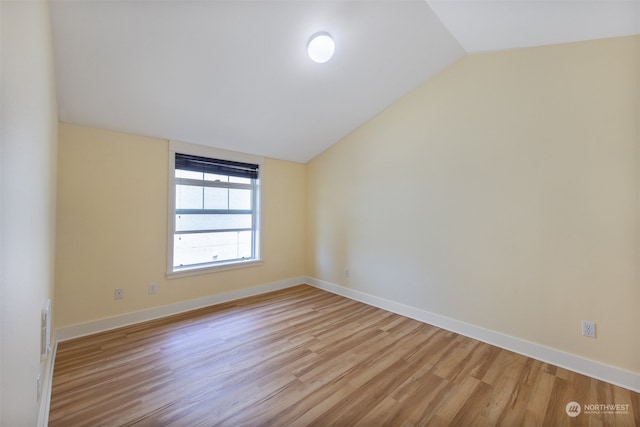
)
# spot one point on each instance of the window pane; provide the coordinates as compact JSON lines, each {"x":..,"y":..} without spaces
{"x":239,"y":199}
{"x":200,"y":239}
{"x":188,"y":174}
{"x":190,"y":249}
{"x":212,"y":222}
{"x":188,"y":197}
{"x":238,"y":180}
{"x":216,"y":198}
{"x":216,"y":177}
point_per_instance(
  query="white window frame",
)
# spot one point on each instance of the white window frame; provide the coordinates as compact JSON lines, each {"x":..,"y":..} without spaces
{"x":214,"y":153}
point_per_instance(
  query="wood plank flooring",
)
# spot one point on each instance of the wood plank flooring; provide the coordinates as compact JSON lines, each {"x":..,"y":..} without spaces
{"x":305,"y":357}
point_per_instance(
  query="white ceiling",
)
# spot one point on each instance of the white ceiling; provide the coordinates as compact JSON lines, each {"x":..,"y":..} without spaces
{"x":487,"y":25}
{"x":235,"y":75}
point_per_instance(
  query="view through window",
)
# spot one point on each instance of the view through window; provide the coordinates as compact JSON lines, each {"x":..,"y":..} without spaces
{"x":215,"y":212}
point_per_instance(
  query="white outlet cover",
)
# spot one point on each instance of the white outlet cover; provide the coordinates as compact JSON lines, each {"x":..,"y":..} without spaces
{"x":39,"y":387}
{"x":588,"y":329}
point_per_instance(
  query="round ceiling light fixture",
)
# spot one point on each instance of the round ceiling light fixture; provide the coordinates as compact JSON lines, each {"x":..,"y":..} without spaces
{"x":321,"y":47}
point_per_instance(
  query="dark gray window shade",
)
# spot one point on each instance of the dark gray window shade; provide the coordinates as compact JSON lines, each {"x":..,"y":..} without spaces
{"x":221,"y":167}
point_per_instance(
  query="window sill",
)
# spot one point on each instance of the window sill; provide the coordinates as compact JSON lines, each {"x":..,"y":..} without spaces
{"x":196,"y":271}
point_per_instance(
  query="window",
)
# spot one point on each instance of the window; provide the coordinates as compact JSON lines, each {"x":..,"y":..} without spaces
{"x":214,"y":214}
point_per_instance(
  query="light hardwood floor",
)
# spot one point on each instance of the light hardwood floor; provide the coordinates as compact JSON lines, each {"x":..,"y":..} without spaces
{"x":305,"y":357}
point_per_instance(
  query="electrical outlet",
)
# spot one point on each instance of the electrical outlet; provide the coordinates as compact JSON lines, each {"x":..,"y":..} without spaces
{"x":347,"y":273}
{"x":153,"y":288}
{"x":118,"y":293}
{"x":588,"y":329}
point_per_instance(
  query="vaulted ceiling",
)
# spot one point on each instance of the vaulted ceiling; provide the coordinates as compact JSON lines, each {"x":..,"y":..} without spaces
{"x":235,"y":74}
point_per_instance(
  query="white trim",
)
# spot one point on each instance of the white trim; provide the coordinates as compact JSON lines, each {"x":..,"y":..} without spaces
{"x":214,"y":268}
{"x":45,"y":398}
{"x":611,"y":374}
{"x":171,"y":207}
{"x":105,"y":324}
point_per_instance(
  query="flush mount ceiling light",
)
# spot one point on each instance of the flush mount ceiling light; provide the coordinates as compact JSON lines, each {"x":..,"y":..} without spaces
{"x":321,"y":47}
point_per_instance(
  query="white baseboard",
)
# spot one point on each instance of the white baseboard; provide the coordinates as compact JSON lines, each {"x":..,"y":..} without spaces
{"x":100,"y":325}
{"x":620,"y":377}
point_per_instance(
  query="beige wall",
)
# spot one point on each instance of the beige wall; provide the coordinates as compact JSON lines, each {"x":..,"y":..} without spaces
{"x":503,"y":193}
{"x":27,"y":201}
{"x":112,"y":227}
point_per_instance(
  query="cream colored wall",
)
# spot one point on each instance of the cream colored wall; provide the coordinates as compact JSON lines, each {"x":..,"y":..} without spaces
{"x":503,"y":193}
{"x":27,"y":201}
{"x":112,"y":227}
